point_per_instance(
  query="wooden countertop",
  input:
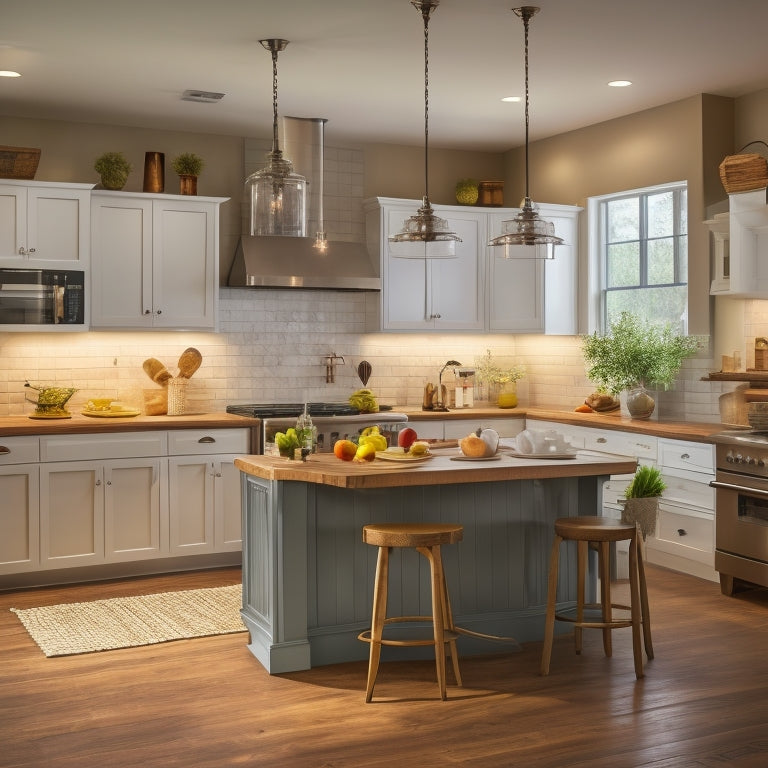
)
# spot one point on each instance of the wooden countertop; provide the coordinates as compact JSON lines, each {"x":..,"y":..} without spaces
{"x":681,"y":430}
{"x":79,"y":424}
{"x":326,"y":469}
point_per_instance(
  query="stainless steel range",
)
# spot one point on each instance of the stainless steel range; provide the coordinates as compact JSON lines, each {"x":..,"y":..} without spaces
{"x":334,"y":421}
{"x":741,"y":508}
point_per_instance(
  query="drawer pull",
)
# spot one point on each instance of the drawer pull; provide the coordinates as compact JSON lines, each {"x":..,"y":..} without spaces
{"x":4,"y":449}
{"x":685,"y":456}
{"x":207,"y":439}
{"x":682,"y":532}
{"x":601,"y":440}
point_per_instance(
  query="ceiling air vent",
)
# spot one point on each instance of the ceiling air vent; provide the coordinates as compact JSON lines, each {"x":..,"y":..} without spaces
{"x":208,"y":97}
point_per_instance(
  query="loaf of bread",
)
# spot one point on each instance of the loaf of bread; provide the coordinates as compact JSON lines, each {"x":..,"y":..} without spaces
{"x":599,"y":401}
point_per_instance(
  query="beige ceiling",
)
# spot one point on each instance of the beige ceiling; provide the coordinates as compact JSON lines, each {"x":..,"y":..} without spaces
{"x":360,"y":63}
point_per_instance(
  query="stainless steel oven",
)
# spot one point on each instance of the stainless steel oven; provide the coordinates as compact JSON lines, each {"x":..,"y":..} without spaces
{"x":741,"y":508}
{"x":334,"y":421}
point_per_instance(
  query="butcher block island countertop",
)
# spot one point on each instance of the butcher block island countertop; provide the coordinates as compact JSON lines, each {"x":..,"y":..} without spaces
{"x":326,"y":469}
{"x":307,"y":575}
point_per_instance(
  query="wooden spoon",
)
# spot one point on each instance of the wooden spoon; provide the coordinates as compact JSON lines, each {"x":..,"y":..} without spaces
{"x":189,"y":362}
{"x":156,"y":371}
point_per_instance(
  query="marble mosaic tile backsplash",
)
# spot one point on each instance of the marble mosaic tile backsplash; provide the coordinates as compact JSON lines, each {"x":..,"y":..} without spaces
{"x":271,"y":348}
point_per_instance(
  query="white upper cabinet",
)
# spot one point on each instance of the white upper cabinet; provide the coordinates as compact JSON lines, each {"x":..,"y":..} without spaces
{"x":156,"y":261}
{"x":478,"y":290}
{"x":740,"y":247}
{"x":43,"y":224}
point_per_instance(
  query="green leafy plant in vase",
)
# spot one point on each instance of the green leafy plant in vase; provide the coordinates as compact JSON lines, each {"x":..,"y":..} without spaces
{"x":113,"y":168}
{"x":633,"y":356}
{"x":188,"y":166}
{"x":499,"y":380}
{"x":640,"y":504}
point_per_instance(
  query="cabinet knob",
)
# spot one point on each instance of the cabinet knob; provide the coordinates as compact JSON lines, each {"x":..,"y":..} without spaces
{"x":685,"y":456}
{"x":159,"y":311}
{"x":682,"y":532}
{"x":98,"y":483}
{"x":147,"y":311}
{"x":207,"y":439}
{"x":601,"y":440}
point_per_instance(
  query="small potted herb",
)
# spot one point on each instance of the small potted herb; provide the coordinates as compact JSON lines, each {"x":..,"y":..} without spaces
{"x":113,"y":168}
{"x":640,"y":504}
{"x":188,"y":165}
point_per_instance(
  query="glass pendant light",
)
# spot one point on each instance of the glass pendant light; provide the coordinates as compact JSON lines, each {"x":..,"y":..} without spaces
{"x":527,"y":228}
{"x":277,"y":195}
{"x":425,"y":235}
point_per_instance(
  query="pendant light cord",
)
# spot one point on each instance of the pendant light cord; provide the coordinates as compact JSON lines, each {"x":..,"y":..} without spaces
{"x":426,"y":7}
{"x":275,"y":146}
{"x":525,"y":13}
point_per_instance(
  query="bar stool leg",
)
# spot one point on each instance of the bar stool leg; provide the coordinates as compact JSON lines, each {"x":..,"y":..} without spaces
{"x":449,"y":627}
{"x":634,"y":587}
{"x":644,"y":597}
{"x":604,"y":561}
{"x":377,"y":621}
{"x":438,"y":612}
{"x":582,"y":552}
{"x":549,"y":621}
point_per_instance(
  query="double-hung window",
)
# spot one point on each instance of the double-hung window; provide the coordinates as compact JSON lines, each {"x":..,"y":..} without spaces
{"x":642,"y":250}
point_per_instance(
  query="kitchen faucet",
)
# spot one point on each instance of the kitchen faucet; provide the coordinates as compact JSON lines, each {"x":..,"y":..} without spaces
{"x":330,"y":370}
{"x":440,"y":405}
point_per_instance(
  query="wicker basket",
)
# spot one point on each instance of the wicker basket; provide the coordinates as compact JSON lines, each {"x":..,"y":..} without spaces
{"x":641,"y":511}
{"x":742,"y":173}
{"x":18,"y":162}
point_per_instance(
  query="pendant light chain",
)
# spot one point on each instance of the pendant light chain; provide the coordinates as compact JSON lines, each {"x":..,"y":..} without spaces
{"x":275,"y":146}
{"x":526,"y":18}
{"x":426,"y":9}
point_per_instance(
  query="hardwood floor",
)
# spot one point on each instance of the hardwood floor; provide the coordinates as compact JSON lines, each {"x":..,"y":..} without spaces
{"x":207,"y":703}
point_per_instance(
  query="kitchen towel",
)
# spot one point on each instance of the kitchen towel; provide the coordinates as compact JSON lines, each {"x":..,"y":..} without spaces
{"x":124,"y":622}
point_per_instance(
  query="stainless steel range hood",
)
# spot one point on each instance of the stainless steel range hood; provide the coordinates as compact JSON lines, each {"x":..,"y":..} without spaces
{"x":272,"y":261}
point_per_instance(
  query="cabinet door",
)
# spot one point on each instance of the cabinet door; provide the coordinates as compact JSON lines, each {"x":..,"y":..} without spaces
{"x":71,"y":514}
{"x":58,"y":224}
{"x":184,"y":247}
{"x":13,"y":221}
{"x":227,"y":505}
{"x":191,"y":487}
{"x":135,"y":517}
{"x":121,"y":275}
{"x":561,"y":286}
{"x":436,"y":294}
{"x":19,"y":518}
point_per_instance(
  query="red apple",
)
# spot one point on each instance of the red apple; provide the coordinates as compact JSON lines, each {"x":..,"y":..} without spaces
{"x":407,"y":438}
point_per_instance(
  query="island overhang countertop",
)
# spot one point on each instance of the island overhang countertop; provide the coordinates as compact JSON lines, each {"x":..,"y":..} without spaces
{"x":440,"y":469}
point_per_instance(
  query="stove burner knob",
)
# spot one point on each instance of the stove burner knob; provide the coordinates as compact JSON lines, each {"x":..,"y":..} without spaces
{"x":761,"y":462}
{"x":739,"y":459}
{"x":729,"y":457}
{"x":749,"y":460}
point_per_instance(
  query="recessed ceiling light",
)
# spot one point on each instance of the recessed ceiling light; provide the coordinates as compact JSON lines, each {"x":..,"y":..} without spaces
{"x":620,"y":83}
{"x":9,"y":73}
{"x":512,"y":98}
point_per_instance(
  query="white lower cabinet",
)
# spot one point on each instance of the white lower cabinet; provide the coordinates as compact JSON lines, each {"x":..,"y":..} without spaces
{"x":685,"y":530}
{"x":119,"y":497}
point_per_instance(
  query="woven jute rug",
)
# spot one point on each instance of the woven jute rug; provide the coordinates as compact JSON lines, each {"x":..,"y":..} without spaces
{"x":124,"y":622}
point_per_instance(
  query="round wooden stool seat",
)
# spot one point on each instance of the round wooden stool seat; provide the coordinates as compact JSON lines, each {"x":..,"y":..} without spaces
{"x":599,"y":533}
{"x":425,"y":538}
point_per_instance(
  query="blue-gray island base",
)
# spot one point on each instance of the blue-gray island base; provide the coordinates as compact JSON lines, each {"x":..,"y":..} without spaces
{"x":308,"y":576}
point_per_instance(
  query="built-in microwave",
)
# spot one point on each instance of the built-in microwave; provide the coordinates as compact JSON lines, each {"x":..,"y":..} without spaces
{"x":53,"y":297}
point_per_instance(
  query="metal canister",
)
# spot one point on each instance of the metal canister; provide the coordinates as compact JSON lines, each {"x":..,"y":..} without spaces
{"x":761,"y":353}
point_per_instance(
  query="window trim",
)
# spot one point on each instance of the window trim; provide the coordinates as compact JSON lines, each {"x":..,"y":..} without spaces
{"x":596,"y":224}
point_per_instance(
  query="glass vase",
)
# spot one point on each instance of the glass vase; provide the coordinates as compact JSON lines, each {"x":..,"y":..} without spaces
{"x":640,"y":404}
{"x":507,"y":396}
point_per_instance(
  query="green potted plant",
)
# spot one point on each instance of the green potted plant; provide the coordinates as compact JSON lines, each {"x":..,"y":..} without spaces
{"x":640,"y":504}
{"x":113,"y":168}
{"x":188,"y":165}
{"x":635,"y":355}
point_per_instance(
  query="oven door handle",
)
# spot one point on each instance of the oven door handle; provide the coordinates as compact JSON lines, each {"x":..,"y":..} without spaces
{"x":739,"y":488}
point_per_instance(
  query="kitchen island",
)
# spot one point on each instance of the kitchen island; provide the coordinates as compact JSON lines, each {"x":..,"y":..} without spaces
{"x":308,"y":577}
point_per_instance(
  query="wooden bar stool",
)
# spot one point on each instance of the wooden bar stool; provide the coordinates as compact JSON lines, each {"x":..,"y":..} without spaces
{"x":426,"y":538}
{"x":600,"y":532}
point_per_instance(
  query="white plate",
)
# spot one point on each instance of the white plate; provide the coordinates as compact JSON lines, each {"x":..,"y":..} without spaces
{"x":462,"y":457}
{"x":564,"y":455}
{"x":400,"y":455}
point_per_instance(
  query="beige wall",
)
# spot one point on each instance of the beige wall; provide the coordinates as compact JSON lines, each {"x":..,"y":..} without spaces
{"x":656,"y":146}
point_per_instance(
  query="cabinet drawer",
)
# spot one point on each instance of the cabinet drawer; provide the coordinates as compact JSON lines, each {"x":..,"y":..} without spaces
{"x":19,"y":450}
{"x":681,"y":527}
{"x":689,"y":493}
{"x":623,"y":443}
{"x":696,"y":457}
{"x":208,"y":441}
{"x":117,"y":445}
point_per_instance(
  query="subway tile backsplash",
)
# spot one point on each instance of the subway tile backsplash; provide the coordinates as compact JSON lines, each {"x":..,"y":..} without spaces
{"x":271,"y":348}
